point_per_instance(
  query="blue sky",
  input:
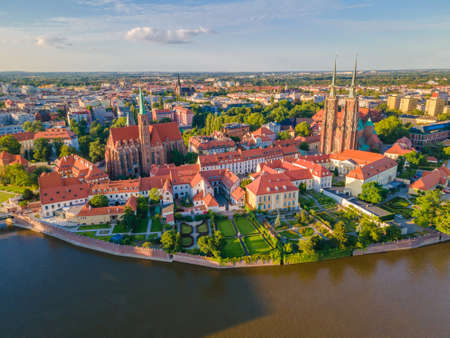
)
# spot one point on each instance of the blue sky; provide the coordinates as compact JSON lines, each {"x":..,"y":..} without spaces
{"x":222,"y":35}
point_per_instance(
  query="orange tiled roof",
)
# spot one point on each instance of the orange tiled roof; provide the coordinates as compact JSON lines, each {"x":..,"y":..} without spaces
{"x":358,"y":156}
{"x":372,"y":169}
{"x":53,"y":188}
{"x":7,"y":159}
{"x":430,"y":179}
{"x":271,"y":184}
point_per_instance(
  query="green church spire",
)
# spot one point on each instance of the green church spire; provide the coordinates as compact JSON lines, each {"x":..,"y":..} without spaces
{"x":333,"y":81}
{"x":141,"y":103}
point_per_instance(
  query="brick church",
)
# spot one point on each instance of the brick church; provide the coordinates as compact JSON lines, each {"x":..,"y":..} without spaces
{"x":339,"y":130}
{"x":132,"y":150}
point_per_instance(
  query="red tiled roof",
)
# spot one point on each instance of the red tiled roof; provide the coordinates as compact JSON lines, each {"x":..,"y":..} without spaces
{"x":271,"y":184}
{"x":372,"y":169}
{"x":161,"y":132}
{"x":238,"y":193}
{"x":430,"y":179}
{"x":53,"y":188}
{"x":7,"y":159}
{"x":358,"y":156}
{"x":210,"y":201}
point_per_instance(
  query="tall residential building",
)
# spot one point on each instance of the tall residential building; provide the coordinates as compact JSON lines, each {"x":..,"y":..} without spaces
{"x":434,"y":106}
{"x":408,"y":104}
{"x":339,"y":128}
{"x":393,"y":102}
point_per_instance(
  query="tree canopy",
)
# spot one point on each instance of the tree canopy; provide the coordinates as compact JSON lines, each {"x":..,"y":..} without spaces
{"x":372,"y":192}
{"x":391,"y":129}
{"x":10,"y":144}
{"x":99,"y":201}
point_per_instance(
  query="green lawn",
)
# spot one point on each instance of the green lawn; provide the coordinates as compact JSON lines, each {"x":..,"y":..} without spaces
{"x":256,"y":244}
{"x":156,"y":224}
{"x":186,"y":241}
{"x":203,"y":228}
{"x":325,"y":201}
{"x":87,"y":233}
{"x":398,"y":205}
{"x":94,"y":226}
{"x":290,"y":234}
{"x":4,"y":196}
{"x":142,"y":225}
{"x":232,"y":248}
{"x":225,"y":227}
{"x":186,"y":229}
{"x":245,"y":227}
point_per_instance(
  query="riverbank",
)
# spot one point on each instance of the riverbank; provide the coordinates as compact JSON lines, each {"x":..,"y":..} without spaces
{"x":36,"y":225}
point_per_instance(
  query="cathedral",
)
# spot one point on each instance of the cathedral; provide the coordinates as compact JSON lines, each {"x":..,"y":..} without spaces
{"x":339,"y":130}
{"x":132,"y":150}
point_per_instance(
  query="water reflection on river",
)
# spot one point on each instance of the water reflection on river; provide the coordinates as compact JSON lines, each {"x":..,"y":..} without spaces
{"x":51,"y":289}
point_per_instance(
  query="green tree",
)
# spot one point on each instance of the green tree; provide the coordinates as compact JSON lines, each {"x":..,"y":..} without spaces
{"x":391,"y":129}
{"x":99,"y":201}
{"x":67,"y":150}
{"x":154,"y":195}
{"x":171,"y":241}
{"x":129,"y":218}
{"x":211,"y":245}
{"x":83,"y":142}
{"x":307,"y":246}
{"x":78,"y":128}
{"x":284,"y":135}
{"x":372,"y":192}
{"x":9,"y":144}
{"x":426,"y":208}
{"x":57,"y":145}
{"x":302,"y":129}
{"x":33,"y":127}
{"x":96,"y":151}
{"x":415,"y":158}
{"x":120,"y":122}
{"x":42,"y":150}
{"x":340,"y":234}
{"x":245,"y":182}
{"x":142,"y":207}
{"x":304,"y":146}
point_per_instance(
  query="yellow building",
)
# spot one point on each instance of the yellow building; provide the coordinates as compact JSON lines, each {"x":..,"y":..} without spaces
{"x":271,"y":192}
{"x":408,"y":104}
{"x":393,"y":102}
{"x":434,"y":106}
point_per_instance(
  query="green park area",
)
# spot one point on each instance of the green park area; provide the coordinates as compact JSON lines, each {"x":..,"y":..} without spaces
{"x":203,"y":228}
{"x":187,"y":241}
{"x":232,"y":248}
{"x":142,"y":225}
{"x":399,"y":206}
{"x":306,"y":231}
{"x":245,"y":227}
{"x":256,"y":244}
{"x":225,"y":227}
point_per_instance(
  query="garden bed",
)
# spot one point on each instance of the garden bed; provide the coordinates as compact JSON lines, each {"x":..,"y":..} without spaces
{"x":398,"y":206}
{"x":186,"y":229}
{"x":245,"y":227}
{"x":203,"y":228}
{"x":225,"y":227}
{"x":186,"y":241}
{"x":305,"y":232}
{"x":256,"y":244}
{"x":232,"y":248}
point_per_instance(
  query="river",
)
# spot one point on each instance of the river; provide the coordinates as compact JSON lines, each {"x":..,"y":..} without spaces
{"x":51,"y":289}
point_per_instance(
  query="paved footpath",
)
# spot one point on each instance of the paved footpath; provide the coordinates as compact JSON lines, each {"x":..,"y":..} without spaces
{"x":149,"y":225}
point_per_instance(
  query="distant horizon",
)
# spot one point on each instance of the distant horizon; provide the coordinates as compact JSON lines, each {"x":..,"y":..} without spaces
{"x":228,"y":72}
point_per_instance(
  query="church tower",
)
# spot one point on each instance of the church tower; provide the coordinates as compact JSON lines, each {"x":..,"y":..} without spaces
{"x":178,"y":90}
{"x":327,"y":137}
{"x":351,"y":110}
{"x":144,"y":137}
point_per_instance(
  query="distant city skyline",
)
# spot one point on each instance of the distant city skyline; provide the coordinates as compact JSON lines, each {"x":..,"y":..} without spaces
{"x":223,"y":35}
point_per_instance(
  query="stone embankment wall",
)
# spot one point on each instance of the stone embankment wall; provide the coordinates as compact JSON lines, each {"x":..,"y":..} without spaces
{"x":404,"y":244}
{"x":91,"y":243}
{"x":123,"y":250}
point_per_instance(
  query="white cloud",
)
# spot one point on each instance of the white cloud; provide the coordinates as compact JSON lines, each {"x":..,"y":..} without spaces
{"x":166,"y":36}
{"x":55,"y":41}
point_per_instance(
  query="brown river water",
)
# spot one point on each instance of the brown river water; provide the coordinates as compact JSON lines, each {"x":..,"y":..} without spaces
{"x":51,"y":289}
